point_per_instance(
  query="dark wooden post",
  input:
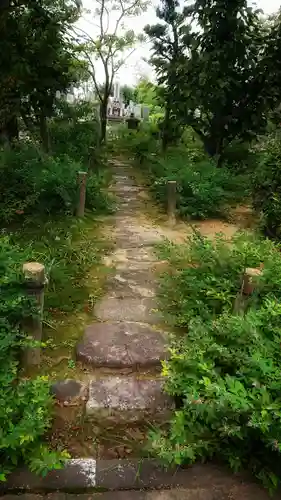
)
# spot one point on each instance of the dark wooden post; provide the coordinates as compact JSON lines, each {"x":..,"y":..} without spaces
{"x":171,"y":200}
{"x":82,"y":193}
{"x":34,"y":274}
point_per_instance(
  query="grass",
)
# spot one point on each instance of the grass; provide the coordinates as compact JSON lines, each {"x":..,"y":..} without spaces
{"x":71,"y":250}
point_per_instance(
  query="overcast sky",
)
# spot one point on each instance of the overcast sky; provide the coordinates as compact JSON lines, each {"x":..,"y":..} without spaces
{"x":136,"y":66}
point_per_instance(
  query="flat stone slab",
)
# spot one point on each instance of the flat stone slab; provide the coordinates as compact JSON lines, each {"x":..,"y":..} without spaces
{"x":122,"y":400}
{"x":127,"y":309}
{"x":129,"y":232}
{"x":121,"y":285}
{"x":135,"y":479}
{"x":122,"y":345}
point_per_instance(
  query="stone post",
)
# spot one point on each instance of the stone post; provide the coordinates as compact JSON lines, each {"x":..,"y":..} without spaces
{"x":82,"y":193}
{"x":171,"y":200}
{"x":34,"y":274}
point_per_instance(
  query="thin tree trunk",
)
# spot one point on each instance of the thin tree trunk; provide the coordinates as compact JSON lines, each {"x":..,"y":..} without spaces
{"x":44,"y":133}
{"x":165,"y":132}
{"x":103,"y":120}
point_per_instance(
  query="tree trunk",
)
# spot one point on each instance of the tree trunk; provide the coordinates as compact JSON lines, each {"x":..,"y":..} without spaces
{"x":103,"y":120}
{"x":10,"y":131}
{"x":44,"y":133}
{"x":165,"y":131}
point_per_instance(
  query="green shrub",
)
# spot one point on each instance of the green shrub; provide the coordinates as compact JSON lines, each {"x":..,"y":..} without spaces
{"x":225,"y":371}
{"x":203,"y":189}
{"x":25,"y":405}
{"x":74,"y":138}
{"x":36,"y":184}
{"x":267,"y":185}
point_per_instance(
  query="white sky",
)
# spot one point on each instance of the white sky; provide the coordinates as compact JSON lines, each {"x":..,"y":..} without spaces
{"x":136,"y":66}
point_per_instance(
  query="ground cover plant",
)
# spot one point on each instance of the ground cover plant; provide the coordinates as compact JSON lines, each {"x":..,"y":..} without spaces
{"x":224,"y":369}
{"x":26,"y":404}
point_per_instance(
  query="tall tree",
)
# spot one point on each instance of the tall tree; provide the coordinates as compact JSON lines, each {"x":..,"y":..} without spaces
{"x":170,"y":39}
{"x":111,"y":46}
{"x":35,"y":62}
{"x":222,"y":84}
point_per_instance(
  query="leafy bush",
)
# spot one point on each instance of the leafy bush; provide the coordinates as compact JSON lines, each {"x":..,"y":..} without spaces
{"x":267,"y":185}
{"x":74,"y":138}
{"x":203,"y":189}
{"x":139,"y":143}
{"x":32,"y":183}
{"x":225,"y":372}
{"x":25,"y":405}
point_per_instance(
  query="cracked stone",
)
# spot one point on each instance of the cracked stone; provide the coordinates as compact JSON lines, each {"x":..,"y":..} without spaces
{"x":122,"y":345}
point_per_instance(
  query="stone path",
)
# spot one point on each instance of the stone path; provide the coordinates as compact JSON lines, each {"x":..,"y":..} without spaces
{"x":127,"y":332}
{"x":121,"y":351}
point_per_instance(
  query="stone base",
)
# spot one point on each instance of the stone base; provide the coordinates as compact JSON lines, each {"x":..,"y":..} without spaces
{"x":120,"y":400}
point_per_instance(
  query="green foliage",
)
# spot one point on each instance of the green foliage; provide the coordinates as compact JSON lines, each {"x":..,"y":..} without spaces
{"x":267,"y":184}
{"x":68,"y":248}
{"x":225,"y":371}
{"x":33,"y":183}
{"x":75,"y":138}
{"x":25,"y":405}
{"x":219,"y":66}
{"x":203,"y":189}
{"x":40,"y":62}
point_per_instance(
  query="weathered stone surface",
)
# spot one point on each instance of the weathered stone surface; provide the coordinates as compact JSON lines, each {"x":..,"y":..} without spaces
{"x":120,"y":345}
{"x":142,"y":254}
{"x":143,"y":479}
{"x":127,"y":399}
{"x":127,"y":309}
{"x":67,"y":390}
{"x":131,"y":284}
{"x":78,"y":474}
{"x":129,"y":233}
{"x":71,"y":396}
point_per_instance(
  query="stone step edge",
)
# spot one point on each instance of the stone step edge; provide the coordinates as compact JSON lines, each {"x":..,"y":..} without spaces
{"x":88,"y":474}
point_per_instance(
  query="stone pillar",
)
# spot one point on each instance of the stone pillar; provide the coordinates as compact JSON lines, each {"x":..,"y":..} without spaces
{"x":34,"y":274}
{"x":171,"y":200}
{"x":82,"y":194}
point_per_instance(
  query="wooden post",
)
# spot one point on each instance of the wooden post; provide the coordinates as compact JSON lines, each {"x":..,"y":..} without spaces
{"x":82,"y":193}
{"x":171,"y":200}
{"x":34,"y":274}
{"x":249,"y":284}
{"x":250,"y":280}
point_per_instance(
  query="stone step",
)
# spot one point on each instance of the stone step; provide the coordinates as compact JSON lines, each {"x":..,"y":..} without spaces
{"x":120,"y":187}
{"x":143,"y":310}
{"x":132,"y":283}
{"x":121,"y":400}
{"x":132,"y":477}
{"x":122,"y":345}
